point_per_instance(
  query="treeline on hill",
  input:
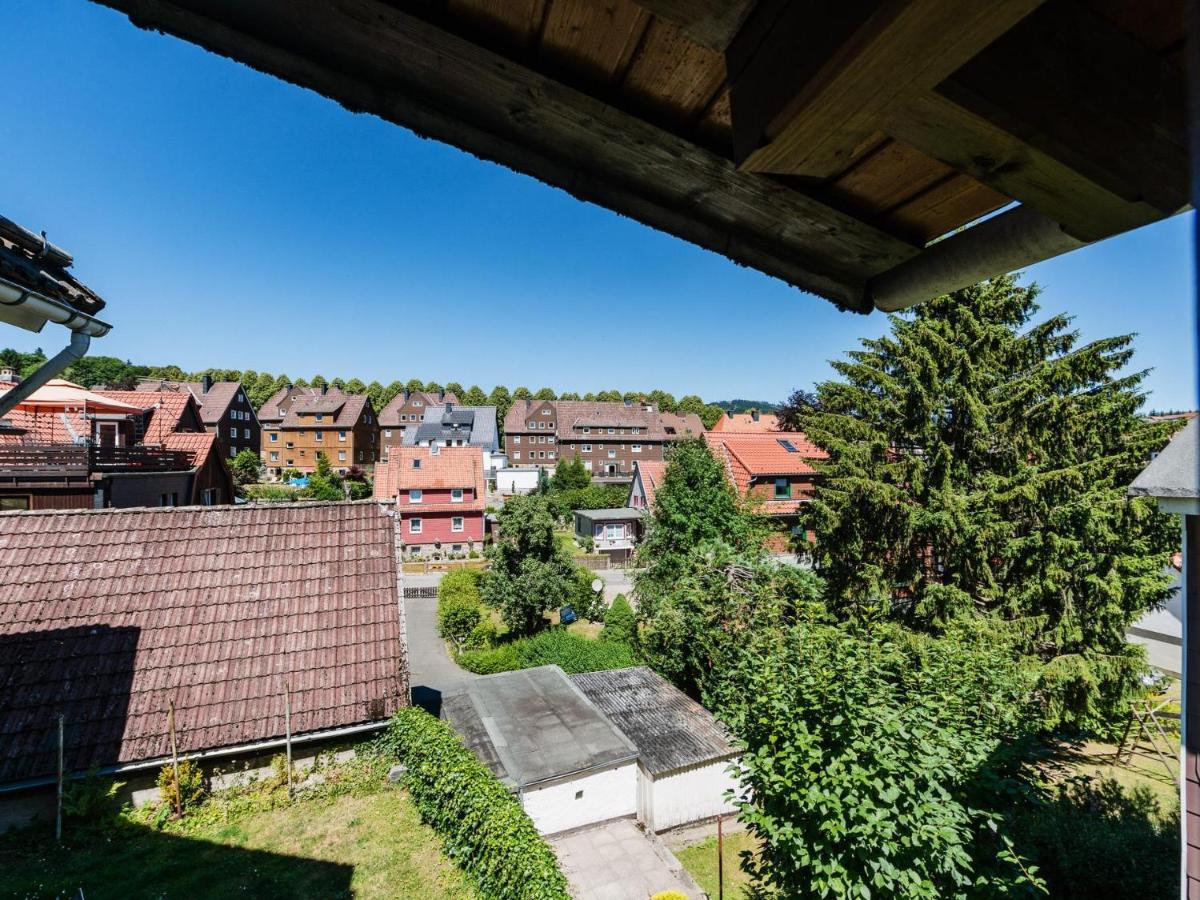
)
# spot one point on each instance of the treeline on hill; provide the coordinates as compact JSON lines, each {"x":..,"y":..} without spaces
{"x":259,"y":386}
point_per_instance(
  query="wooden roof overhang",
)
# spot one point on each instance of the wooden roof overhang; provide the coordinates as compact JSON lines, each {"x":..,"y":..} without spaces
{"x":874,"y":152}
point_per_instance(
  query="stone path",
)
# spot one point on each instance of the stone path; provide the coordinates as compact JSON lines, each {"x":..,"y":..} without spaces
{"x":617,"y":861}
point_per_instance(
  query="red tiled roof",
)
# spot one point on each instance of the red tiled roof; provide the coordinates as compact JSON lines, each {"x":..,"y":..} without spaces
{"x":46,"y":427}
{"x":213,"y":402}
{"x":106,"y":616}
{"x":197,"y":445}
{"x":652,"y":473}
{"x":166,"y":410}
{"x":450,"y":467}
{"x":743,"y":423}
{"x":750,"y":456}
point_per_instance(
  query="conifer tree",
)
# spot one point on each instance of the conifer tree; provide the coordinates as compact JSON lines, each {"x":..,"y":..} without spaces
{"x":978,"y":466}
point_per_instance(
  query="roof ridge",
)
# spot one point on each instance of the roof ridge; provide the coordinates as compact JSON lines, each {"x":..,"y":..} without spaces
{"x":232,"y":507}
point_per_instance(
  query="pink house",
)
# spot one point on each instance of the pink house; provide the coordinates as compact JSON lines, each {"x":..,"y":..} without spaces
{"x":439,"y":494}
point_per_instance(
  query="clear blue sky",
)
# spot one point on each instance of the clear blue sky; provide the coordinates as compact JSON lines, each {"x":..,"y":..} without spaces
{"x":236,"y":221}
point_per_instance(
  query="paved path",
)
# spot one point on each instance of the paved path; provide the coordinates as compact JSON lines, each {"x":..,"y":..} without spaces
{"x":432,"y":673}
{"x":617,"y":861}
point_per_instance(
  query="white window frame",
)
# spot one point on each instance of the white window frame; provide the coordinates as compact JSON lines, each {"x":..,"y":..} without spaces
{"x":457,"y":524}
{"x":636,"y":448}
{"x":274,"y":437}
{"x":319,"y":437}
{"x":274,"y":456}
{"x":516,"y":438}
{"x":516,"y":454}
{"x":612,"y":454}
{"x":614,"y":531}
{"x":456,"y":495}
{"x":587,"y":430}
{"x":415,"y":526}
{"x":415,"y":496}
{"x":233,"y":431}
{"x":341,"y":456}
{"x":387,"y":432}
{"x":342,"y":435}
{"x":587,"y":448}
{"x":246,"y":433}
{"x":233,"y":451}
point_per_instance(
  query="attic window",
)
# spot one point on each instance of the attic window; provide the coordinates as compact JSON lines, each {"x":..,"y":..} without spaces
{"x":788,"y":446}
{"x":434,"y":449}
{"x":416,"y":464}
{"x":668,"y":429}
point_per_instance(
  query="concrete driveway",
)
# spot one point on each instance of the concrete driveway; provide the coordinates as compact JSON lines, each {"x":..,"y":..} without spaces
{"x":618,"y":861}
{"x":432,"y":673}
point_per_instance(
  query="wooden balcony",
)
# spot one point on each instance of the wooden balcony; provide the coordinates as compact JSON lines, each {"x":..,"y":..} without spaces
{"x":34,"y":462}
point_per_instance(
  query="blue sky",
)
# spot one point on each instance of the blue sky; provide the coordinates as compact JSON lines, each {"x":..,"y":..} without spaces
{"x":236,"y":221}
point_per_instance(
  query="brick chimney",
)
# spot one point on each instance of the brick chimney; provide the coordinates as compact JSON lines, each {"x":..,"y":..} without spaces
{"x":8,"y":375}
{"x":205,"y":383}
{"x":754,"y":415}
{"x":324,"y":388}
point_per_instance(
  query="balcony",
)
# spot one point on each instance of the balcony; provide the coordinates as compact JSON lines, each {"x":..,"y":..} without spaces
{"x":37,"y":462}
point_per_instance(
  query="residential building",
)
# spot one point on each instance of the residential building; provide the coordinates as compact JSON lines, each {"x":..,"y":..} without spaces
{"x":752,"y":422}
{"x":65,"y":447}
{"x":614,"y":532}
{"x":450,"y":425}
{"x":407,"y":410}
{"x":647,"y":476}
{"x":439,"y":493}
{"x":607,"y":437}
{"x":225,"y":410}
{"x":248,"y":619}
{"x":774,"y":470}
{"x":341,"y":426}
{"x":1173,"y":479}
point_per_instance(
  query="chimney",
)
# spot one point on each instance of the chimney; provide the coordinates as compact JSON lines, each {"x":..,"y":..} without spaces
{"x":449,"y":407}
{"x":205,"y":383}
{"x":8,"y":375}
{"x":754,"y":415}
{"x":324,"y":388}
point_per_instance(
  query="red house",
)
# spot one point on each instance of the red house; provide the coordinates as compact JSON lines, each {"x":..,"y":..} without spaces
{"x":439,"y":493}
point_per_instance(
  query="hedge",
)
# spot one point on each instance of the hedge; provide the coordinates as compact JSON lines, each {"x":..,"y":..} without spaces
{"x":554,"y":646}
{"x":482,"y":826}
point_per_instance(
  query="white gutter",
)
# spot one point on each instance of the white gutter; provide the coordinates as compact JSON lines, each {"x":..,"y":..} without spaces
{"x":31,"y":307}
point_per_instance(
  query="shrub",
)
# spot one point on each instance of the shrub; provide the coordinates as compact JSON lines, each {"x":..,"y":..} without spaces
{"x":573,"y":653}
{"x":488,"y":662}
{"x":191,"y":784}
{"x":620,"y":623}
{"x":482,"y":635}
{"x":88,"y":799}
{"x":458,"y":617}
{"x":482,"y":826}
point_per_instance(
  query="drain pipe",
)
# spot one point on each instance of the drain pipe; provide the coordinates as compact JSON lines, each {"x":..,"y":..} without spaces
{"x":36,"y":306}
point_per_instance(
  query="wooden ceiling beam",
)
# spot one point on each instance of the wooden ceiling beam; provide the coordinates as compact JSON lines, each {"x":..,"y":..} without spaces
{"x":373,"y":57}
{"x":811,"y":82}
{"x":709,"y":23}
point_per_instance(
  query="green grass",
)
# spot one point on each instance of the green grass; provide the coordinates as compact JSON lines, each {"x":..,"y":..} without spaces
{"x":701,"y":862}
{"x":567,"y":540}
{"x":363,"y":846}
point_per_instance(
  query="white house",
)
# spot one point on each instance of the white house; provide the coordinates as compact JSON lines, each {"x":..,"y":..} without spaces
{"x":685,"y":755}
{"x":1160,"y":631}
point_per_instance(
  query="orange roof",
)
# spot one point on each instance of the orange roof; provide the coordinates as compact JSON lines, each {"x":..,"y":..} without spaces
{"x":652,"y":473}
{"x":450,"y":467}
{"x":166,"y":409}
{"x":46,"y":427}
{"x":750,"y":456}
{"x":744,"y":423}
{"x":197,"y":445}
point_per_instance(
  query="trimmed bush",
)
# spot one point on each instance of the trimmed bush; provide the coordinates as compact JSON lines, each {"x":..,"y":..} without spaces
{"x":459,"y":606}
{"x":573,"y":653}
{"x":483,"y":828}
{"x":620,"y":623}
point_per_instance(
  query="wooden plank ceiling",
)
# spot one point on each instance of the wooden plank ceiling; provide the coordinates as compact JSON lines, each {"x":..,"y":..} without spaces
{"x":824,"y":142}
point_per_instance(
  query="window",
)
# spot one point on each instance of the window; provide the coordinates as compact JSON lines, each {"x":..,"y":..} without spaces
{"x":274,"y":437}
{"x":783,"y":489}
{"x":457,"y":548}
{"x":541,"y":439}
{"x":587,"y":431}
{"x":612,"y":454}
{"x":372,"y":456}
{"x":456,"y":495}
{"x":246,"y":433}
{"x":587,"y":448}
{"x":416,"y":464}
{"x":241,"y":398}
{"x":414,"y":526}
{"x":615,"y":531}
{"x":456,"y":524}
{"x":414,"y":496}
{"x":516,"y":439}
{"x":342,"y":435}
{"x":636,"y":448}
{"x":319,"y":437}
{"x":788,"y":446}
{"x":516,"y":454}
{"x":418,"y":403}
{"x":434,"y":449}
{"x":549,"y":439}
{"x":208,"y":497}
{"x":233,"y":431}
{"x":637,"y":431}
{"x":10,"y":504}
{"x":546,"y":412}
{"x":360,"y":456}
{"x":387,"y":432}
{"x":550,"y":454}
{"x":232,"y":452}
{"x":341,"y":456}
{"x":372,"y":437}
{"x":320,"y":417}
{"x":171,"y":499}
{"x":274,"y":456}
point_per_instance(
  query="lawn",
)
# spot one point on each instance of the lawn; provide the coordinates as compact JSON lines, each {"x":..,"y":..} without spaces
{"x":363,"y":846}
{"x":701,"y":862}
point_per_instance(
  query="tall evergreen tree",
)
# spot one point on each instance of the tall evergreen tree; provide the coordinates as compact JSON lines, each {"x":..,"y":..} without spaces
{"x":979,"y":465}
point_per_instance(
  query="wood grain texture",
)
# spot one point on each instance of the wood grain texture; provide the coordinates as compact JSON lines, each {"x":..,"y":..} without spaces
{"x":709,"y":23}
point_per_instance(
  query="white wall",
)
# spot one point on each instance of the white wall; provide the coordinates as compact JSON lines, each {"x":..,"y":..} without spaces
{"x":687,"y":796}
{"x":516,"y":481}
{"x":608,"y":794}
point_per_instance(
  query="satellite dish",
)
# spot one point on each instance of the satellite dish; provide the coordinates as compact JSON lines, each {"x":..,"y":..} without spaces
{"x":597,"y":585}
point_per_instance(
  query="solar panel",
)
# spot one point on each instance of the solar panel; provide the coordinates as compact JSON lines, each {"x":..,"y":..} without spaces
{"x":788,"y":446}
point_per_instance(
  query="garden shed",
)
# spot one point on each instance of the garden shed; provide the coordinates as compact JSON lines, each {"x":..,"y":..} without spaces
{"x":684,"y":753}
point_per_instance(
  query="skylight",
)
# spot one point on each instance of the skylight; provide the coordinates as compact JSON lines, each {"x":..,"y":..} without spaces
{"x":788,"y":446}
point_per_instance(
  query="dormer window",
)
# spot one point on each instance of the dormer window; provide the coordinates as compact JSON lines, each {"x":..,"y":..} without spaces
{"x":434,"y":450}
{"x":414,"y":496}
{"x":416,"y":464}
{"x":545,"y":412}
{"x":456,"y":495}
{"x":320,"y":417}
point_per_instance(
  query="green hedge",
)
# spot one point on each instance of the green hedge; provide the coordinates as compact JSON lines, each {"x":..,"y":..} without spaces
{"x":483,"y":828}
{"x":555,"y":646}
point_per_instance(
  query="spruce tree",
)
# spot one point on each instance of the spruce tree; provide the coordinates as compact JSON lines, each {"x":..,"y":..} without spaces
{"x":978,"y":466}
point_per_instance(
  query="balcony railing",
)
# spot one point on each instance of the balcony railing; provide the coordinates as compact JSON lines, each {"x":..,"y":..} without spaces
{"x":80,"y":459}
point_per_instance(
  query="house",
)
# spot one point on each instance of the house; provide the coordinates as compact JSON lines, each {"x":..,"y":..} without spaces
{"x":607,"y":437}
{"x":516,"y":481}
{"x":685,"y":756}
{"x":235,"y":615}
{"x":224,"y":409}
{"x":1160,"y":631}
{"x":752,"y":422}
{"x":614,"y":532}
{"x":590,"y":748}
{"x":65,"y":447}
{"x":407,"y":410}
{"x":341,"y":426}
{"x":439,"y":493}
{"x":774,"y":470}
{"x":450,"y":425}
{"x":647,"y":476}
{"x":1173,"y":479}
{"x":567,"y":763}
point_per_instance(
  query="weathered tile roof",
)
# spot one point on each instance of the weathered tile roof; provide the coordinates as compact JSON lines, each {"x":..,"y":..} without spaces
{"x":573,"y":414}
{"x":670,"y":730}
{"x":450,"y":467}
{"x":345,"y":409}
{"x":389,"y":416}
{"x":166,"y":410}
{"x":213,"y":402}
{"x":742,"y":423}
{"x":198,"y":445}
{"x":277,"y":405}
{"x":24,"y":262}
{"x":106,"y":616}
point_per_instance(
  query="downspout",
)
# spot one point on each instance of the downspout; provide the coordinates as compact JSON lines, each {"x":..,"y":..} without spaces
{"x":83,"y":328}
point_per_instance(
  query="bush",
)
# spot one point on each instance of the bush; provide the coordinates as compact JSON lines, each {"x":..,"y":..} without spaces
{"x":620,"y":623}
{"x":90,"y":798}
{"x":482,"y":635}
{"x":1093,"y":838}
{"x":572,"y":653}
{"x":482,"y":826}
{"x":458,"y":617}
{"x":191,"y":784}
{"x":488,"y":662}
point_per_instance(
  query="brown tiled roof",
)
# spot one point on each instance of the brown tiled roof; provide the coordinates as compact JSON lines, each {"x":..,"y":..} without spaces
{"x":197,"y":445}
{"x":572,"y":414}
{"x":271,"y":411}
{"x":213,"y":402}
{"x":345,"y":409}
{"x":106,"y":616}
{"x":742,"y":423}
{"x":389,"y":416}
{"x":166,"y":410}
{"x":23,"y":262}
{"x":450,"y":467}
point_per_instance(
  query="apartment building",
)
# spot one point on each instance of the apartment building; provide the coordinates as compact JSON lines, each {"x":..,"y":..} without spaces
{"x":225,"y":410}
{"x":326,"y":420}
{"x":408,"y":410}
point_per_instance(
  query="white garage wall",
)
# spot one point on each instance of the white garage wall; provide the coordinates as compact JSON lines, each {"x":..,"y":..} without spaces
{"x":690,"y":795}
{"x":608,"y":794}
